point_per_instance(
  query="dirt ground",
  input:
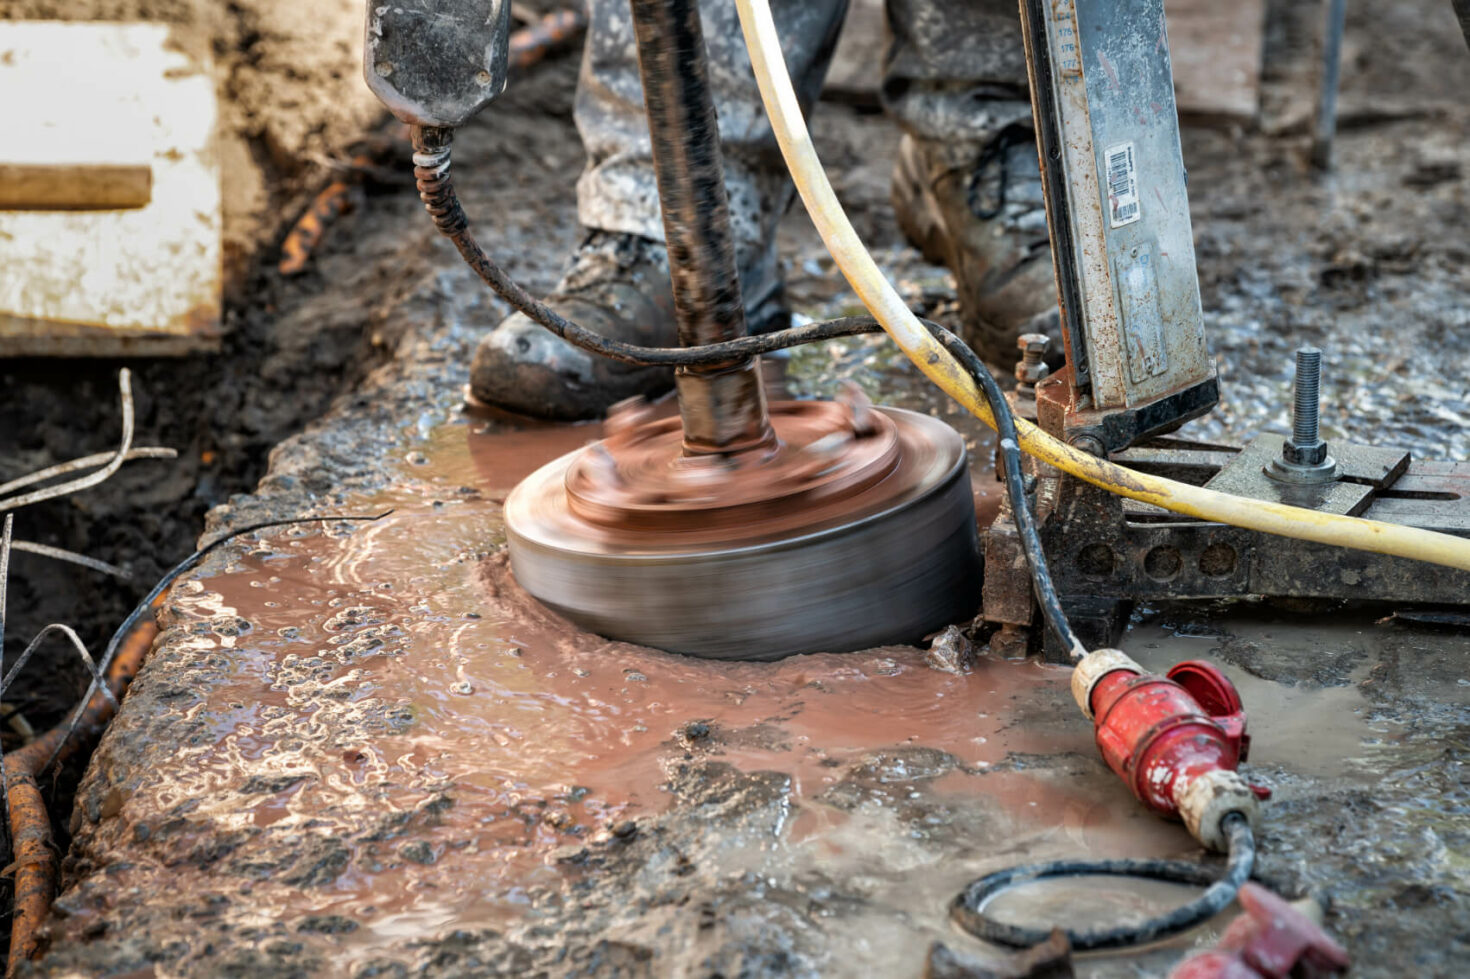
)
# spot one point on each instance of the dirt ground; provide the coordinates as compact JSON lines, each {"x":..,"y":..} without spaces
{"x":228,"y":826}
{"x":291,"y":104}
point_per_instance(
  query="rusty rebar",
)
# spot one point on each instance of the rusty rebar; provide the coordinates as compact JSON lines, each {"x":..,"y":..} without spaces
{"x":30,"y":825}
{"x":34,"y":863}
{"x":553,"y":32}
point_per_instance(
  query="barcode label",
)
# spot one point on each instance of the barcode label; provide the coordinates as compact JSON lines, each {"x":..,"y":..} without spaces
{"x":1122,"y":184}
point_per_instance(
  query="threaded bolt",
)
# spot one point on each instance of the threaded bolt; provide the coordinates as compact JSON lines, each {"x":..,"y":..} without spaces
{"x":1304,"y":457}
{"x":1305,"y":418}
{"x":1032,"y":369}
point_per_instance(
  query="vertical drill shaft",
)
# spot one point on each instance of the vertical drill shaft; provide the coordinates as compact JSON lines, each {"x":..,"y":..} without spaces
{"x":723,"y":408}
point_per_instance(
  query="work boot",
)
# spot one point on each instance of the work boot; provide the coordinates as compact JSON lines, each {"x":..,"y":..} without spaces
{"x":618,"y":286}
{"x":978,"y":209}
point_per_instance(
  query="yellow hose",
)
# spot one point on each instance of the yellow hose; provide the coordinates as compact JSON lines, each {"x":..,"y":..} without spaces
{"x":867,"y":280}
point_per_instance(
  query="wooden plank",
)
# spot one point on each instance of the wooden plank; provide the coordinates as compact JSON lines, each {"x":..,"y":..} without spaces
{"x":1217,"y":50}
{"x":116,"y":281}
{"x":61,"y":186}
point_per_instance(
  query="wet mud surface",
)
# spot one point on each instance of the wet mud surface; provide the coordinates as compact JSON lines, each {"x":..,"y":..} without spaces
{"x":372,"y":738}
{"x":319,"y":775}
{"x":365,"y":751}
{"x":296,"y":345}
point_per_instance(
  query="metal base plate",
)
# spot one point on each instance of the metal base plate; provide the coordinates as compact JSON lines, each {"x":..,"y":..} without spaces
{"x":902,"y":567}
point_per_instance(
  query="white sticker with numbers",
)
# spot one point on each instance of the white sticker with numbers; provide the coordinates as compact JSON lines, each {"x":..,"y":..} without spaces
{"x":1121,"y":179}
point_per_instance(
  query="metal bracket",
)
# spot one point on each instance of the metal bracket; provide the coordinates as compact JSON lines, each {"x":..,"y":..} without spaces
{"x":1103,"y":430}
{"x":1363,"y":470}
{"x":1106,"y":552}
{"x":1113,"y":174}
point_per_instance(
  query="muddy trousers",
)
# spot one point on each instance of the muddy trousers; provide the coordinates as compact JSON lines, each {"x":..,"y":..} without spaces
{"x":955,"y":75}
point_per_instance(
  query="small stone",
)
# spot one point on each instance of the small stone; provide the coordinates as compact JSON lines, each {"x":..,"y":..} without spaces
{"x":327,"y":924}
{"x":951,"y":652}
{"x":571,"y":853}
{"x":464,"y":688}
{"x":696,"y":730}
{"x":229,"y":625}
{"x":625,"y":830}
{"x":419,"y":852}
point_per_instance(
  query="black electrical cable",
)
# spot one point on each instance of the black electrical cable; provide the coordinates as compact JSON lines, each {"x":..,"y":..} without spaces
{"x":967,"y":909}
{"x":1015,"y":481}
{"x":436,"y":189}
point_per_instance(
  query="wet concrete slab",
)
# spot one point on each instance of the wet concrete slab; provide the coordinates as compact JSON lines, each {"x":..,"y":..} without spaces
{"x":362,"y":750}
{"x":385,"y":732}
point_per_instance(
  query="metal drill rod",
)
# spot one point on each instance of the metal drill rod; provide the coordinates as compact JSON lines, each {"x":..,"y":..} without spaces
{"x":1325,"y":127}
{"x":723,"y":408}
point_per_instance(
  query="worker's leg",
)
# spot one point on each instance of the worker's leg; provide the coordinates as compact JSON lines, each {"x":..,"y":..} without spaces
{"x":618,"y":282}
{"x":967,"y":187}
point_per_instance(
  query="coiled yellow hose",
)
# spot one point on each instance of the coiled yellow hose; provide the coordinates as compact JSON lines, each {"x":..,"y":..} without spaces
{"x":867,"y":280}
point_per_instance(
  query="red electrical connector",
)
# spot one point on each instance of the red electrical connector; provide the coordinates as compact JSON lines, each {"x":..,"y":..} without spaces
{"x":1176,"y":740}
{"x":1272,"y":940}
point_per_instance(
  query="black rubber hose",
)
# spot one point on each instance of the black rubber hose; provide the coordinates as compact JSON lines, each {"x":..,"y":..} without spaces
{"x":1015,"y":481}
{"x":1219,"y":892}
{"x":436,"y":189}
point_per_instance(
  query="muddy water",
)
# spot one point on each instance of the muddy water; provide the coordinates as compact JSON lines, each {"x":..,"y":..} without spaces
{"x":392,"y":690}
{"x":394,"y":696}
{"x":1297,"y":721}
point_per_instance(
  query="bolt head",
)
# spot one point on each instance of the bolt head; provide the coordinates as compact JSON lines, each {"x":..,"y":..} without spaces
{"x":1031,"y":373}
{"x":1032,"y":368}
{"x":1326,"y":471}
{"x":1090,"y":444}
{"x":1035,"y":344}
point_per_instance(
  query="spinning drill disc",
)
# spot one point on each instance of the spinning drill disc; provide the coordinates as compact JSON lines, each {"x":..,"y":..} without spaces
{"x":857,"y":529}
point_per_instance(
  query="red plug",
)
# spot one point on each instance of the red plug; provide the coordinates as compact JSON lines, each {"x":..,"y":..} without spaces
{"x":1272,"y":940}
{"x":1176,"y":740}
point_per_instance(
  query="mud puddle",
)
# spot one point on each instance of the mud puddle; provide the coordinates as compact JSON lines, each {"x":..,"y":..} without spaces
{"x":394,"y":696}
{"x":391,"y":689}
{"x":1306,"y":711}
{"x":436,"y":754}
{"x":1087,"y":902}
